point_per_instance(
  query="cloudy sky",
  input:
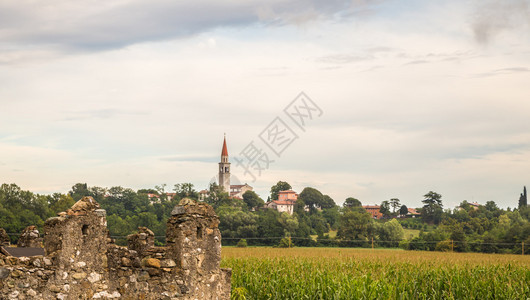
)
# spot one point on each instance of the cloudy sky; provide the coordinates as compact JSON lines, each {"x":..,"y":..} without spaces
{"x":412,"y":95}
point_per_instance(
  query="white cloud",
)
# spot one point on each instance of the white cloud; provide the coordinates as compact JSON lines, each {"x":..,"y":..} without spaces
{"x":153,"y":107}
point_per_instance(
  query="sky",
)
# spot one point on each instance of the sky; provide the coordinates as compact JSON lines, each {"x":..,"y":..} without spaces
{"x":399,"y":97}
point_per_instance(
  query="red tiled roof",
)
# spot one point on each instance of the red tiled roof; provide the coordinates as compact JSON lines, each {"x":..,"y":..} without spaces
{"x":225,"y":151}
{"x":413,"y":211}
{"x":371,"y":206}
{"x":284,"y":202}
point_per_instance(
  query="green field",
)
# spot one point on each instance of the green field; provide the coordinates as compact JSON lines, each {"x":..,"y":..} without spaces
{"x":344,"y":273}
{"x":410,"y":233}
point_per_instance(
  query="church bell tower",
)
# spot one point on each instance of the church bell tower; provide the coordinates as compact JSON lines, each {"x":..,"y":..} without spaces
{"x":224,"y":169}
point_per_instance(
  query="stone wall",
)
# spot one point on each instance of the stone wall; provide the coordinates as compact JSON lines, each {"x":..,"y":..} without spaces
{"x":30,"y":237}
{"x":4,"y":238}
{"x":81,"y":261}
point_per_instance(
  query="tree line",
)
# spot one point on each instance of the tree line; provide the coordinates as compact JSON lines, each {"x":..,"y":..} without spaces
{"x":316,"y":221}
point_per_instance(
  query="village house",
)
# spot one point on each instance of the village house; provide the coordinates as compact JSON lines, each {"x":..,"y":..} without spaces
{"x":412,"y":213}
{"x":237,"y":190}
{"x":373,"y":210}
{"x":285,"y":202}
{"x":155,"y":198}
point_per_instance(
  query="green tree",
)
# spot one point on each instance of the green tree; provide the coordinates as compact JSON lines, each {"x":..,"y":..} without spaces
{"x":318,"y":223}
{"x":327,"y":202}
{"x":161,"y":189}
{"x":79,"y":190}
{"x":385,"y":209}
{"x":61,"y":202}
{"x":332,"y":217}
{"x":403,"y":210}
{"x":269,"y":227}
{"x":523,"y":199}
{"x":394,"y":203}
{"x":217,"y":196}
{"x":491,"y":206}
{"x":242,"y":243}
{"x":147,"y":191}
{"x":185,"y":190}
{"x":278,"y":187}
{"x":432,"y":208}
{"x":352,"y":202}
{"x":252,"y":200}
{"x":356,"y":228}
{"x":236,"y":223}
{"x":391,"y":233}
{"x":98,"y":193}
{"x":289,"y":223}
{"x":312,"y":197}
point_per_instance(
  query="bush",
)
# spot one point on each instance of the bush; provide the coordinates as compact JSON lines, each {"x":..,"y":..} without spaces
{"x":404,"y":244}
{"x":443,"y":246}
{"x":326,"y":241}
{"x":242,"y":243}
{"x":285,"y":243}
{"x":418,"y":243}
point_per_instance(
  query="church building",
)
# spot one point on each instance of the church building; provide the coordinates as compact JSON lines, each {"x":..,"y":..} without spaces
{"x":234,"y":190}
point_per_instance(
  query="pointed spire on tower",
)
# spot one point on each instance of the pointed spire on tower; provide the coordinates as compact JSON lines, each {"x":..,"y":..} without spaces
{"x":225,"y":151}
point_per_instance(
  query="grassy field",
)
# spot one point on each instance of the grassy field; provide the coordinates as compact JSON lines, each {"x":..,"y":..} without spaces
{"x":343,"y":273}
{"x":411,"y":233}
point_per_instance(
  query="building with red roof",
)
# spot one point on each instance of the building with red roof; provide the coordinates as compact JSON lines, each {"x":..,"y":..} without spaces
{"x":374,"y":211}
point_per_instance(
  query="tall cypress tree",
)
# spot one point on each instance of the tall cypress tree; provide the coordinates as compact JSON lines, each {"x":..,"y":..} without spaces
{"x":523,"y":199}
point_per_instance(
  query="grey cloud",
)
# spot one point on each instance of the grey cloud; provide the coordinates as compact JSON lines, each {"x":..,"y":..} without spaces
{"x":514,"y":70}
{"x":503,"y":71}
{"x":495,"y":16}
{"x":417,"y":62}
{"x":105,"y":25}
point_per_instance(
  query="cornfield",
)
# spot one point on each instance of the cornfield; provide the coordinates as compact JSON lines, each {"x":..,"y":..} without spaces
{"x":339,"y":273}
